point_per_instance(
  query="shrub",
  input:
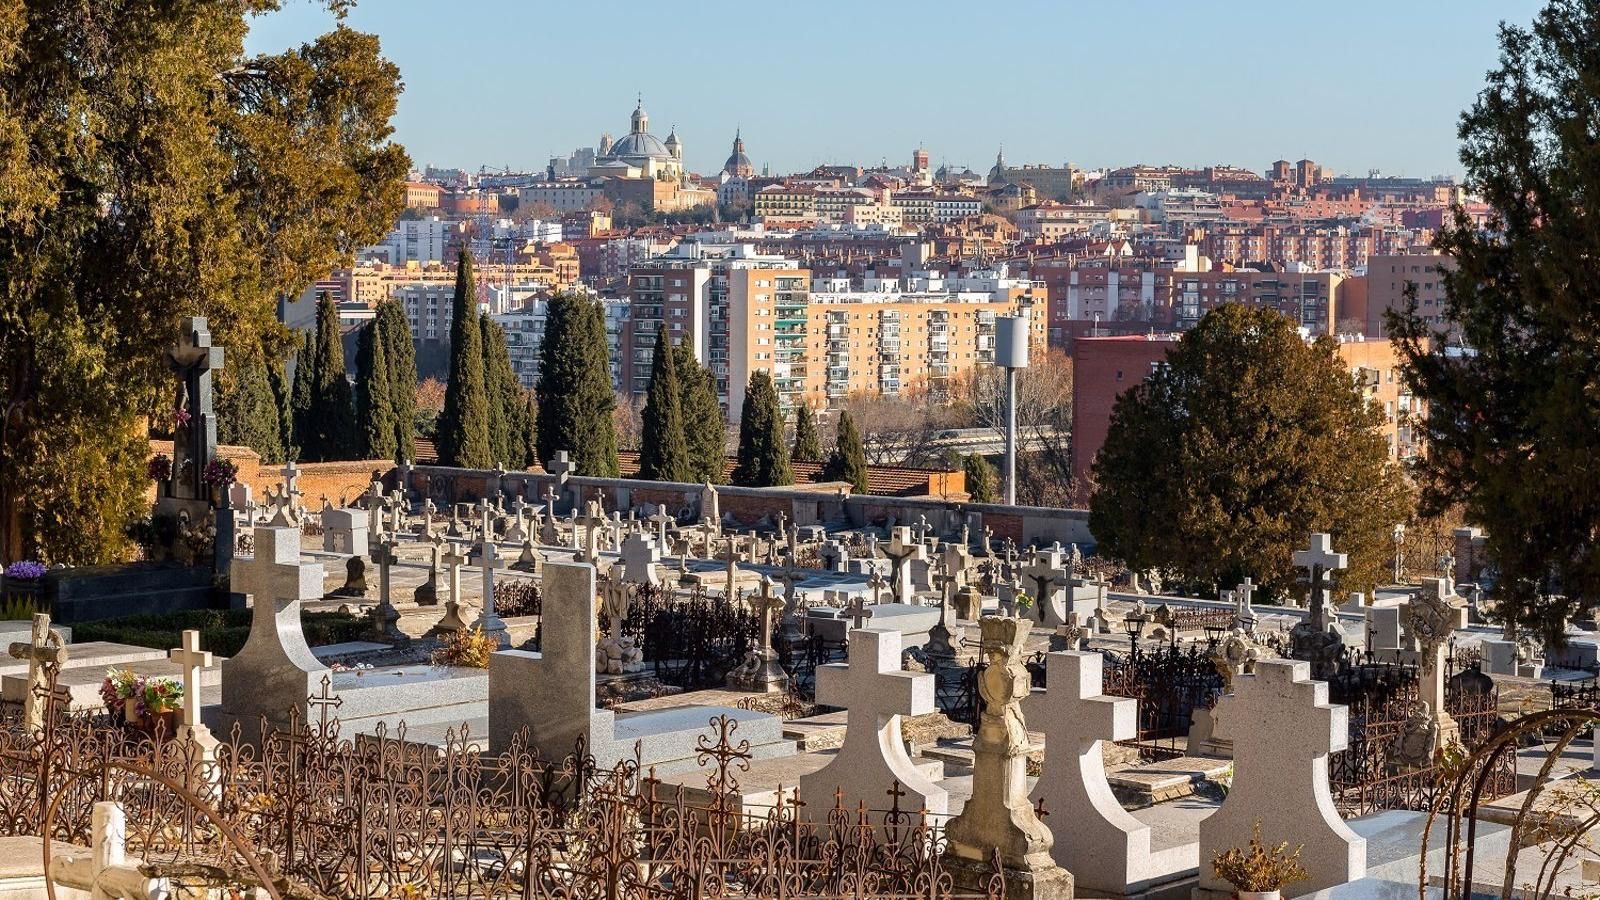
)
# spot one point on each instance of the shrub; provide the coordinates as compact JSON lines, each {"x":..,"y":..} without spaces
{"x":1258,"y":867}
{"x":468,"y":648}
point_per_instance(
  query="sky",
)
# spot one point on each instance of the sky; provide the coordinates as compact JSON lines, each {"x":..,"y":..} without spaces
{"x":1355,"y":85}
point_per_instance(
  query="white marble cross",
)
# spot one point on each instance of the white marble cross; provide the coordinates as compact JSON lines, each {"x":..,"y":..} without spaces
{"x":1283,"y":728}
{"x":876,"y":692}
{"x":901,"y":550}
{"x":191,"y":659}
{"x":1318,"y":559}
{"x":1244,"y":615}
{"x":640,"y":554}
{"x":857,"y":612}
{"x":1432,"y":616}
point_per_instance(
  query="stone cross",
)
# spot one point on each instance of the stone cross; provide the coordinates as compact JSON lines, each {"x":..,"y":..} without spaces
{"x":1283,"y":728}
{"x":1244,"y":615}
{"x":46,"y":649}
{"x":766,"y":604}
{"x":594,"y":518}
{"x":488,"y":621}
{"x":562,"y":467}
{"x":104,"y":872}
{"x":875,"y":584}
{"x":640,"y":554}
{"x":1047,"y":573}
{"x":1432,"y":617}
{"x":663,"y":520}
{"x":454,"y":558}
{"x":901,"y":550}
{"x":857,"y":612}
{"x":276,"y":670}
{"x":1110,"y":849}
{"x":191,"y":659}
{"x":873,"y":759}
{"x":291,"y":490}
{"x":385,"y":617}
{"x":1319,"y":559}
{"x":194,"y":440}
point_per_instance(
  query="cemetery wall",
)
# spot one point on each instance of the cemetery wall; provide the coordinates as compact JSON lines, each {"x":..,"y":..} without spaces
{"x":338,"y":481}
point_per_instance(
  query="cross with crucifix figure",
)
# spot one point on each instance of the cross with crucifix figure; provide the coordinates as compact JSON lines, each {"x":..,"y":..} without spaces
{"x":45,"y":652}
{"x":194,"y":439}
{"x":901,"y":550}
{"x":765,"y":604}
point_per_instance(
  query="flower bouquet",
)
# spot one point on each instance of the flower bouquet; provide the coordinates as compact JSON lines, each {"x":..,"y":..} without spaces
{"x":160,"y":467}
{"x":220,"y":473}
{"x":147,"y":704}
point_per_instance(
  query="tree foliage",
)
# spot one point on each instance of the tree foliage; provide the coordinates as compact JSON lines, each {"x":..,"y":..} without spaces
{"x":664,"y":450}
{"x":1221,"y":463}
{"x":331,"y":431}
{"x":462,"y":435}
{"x":982,"y":479}
{"x":705,"y":427}
{"x":151,"y":170}
{"x":763,"y":457}
{"x":247,"y":409}
{"x":374,"y":395}
{"x":574,"y":395}
{"x":305,"y":373}
{"x":848,"y":463}
{"x":507,"y":431}
{"x":807,"y":446}
{"x":1512,"y":424}
{"x":401,"y":354}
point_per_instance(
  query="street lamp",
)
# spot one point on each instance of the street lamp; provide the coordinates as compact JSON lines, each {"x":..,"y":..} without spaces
{"x":1214,"y":635}
{"x":1134,"y":623}
{"x":1399,"y":536}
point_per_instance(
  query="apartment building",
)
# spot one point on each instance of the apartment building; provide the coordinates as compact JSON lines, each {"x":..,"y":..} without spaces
{"x":1387,"y":278}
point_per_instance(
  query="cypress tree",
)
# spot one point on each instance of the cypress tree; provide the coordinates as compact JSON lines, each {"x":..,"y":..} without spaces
{"x":332,"y":415}
{"x":395,"y":333}
{"x":505,"y":395}
{"x":849,"y":460}
{"x":305,"y":372}
{"x":528,"y":440}
{"x":981,"y":478}
{"x":247,"y":411}
{"x":705,"y":429}
{"x":574,"y":395}
{"x":763,"y":458}
{"x":806,"y":444}
{"x":277,"y":380}
{"x":663,"y":451}
{"x":374,"y":399}
{"x":463,"y":431}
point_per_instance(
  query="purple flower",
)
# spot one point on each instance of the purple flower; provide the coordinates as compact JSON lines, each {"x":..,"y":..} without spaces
{"x":25,"y":570}
{"x":160,"y":468}
{"x":180,"y":417}
{"x":220,"y":473}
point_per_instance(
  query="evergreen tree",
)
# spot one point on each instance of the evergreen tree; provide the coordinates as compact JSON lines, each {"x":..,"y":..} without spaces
{"x":705,"y":428}
{"x":807,"y":446}
{"x":663,"y":451}
{"x":1512,"y":426}
{"x":763,"y":458}
{"x":277,"y":380}
{"x":247,"y":410}
{"x":575,"y":398}
{"x":395,"y":333}
{"x":849,"y":460}
{"x":331,"y":419}
{"x":374,"y":399}
{"x":981,"y":479}
{"x":528,"y":441}
{"x":305,"y":373}
{"x":505,"y":395}
{"x":463,"y":430}
{"x":1219,"y":464}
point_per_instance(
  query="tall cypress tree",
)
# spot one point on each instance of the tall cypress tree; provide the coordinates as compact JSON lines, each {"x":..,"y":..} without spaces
{"x":374,"y":399}
{"x":705,"y":429}
{"x":247,"y":411}
{"x":395,"y":333}
{"x":981,"y":478}
{"x":575,"y":396}
{"x":763,"y":458}
{"x":463,"y":432}
{"x":849,"y":460}
{"x":528,"y":440}
{"x":305,"y":372}
{"x":505,"y":395}
{"x":806,"y":444}
{"x":332,"y":415}
{"x":277,"y":380}
{"x":663,"y":452}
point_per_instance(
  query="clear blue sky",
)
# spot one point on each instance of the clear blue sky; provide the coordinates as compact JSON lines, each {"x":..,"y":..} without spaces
{"x":1355,"y":85}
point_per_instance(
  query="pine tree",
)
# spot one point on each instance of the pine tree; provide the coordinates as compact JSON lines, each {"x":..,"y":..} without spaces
{"x":331,"y":419}
{"x":395,"y":333}
{"x":375,"y":412}
{"x":763,"y":458}
{"x":247,"y":411}
{"x":849,"y":460}
{"x":504,"y":392}
{"x":663,"y":451}
{"x":705,"y":429}
{"x":981,"y":478}
{"x":575,"y":397}
{"x":463,"y":431}
{"x":305,"y":373}
{"x":807,"y":447}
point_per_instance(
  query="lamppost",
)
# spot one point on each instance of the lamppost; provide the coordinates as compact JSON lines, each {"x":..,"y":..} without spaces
{"x":1214,"y":635}
{"x":1399,"y":536}
{"x":1134,"y":623}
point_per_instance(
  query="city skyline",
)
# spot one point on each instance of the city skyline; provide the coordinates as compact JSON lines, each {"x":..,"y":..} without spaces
{"x":1403,"y":75}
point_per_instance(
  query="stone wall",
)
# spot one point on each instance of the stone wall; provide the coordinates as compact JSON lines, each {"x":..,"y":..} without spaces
{"x":810,"y":504}
{"x":338,"y":481}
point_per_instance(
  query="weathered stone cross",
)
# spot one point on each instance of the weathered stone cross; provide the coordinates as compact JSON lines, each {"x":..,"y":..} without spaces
{"x":1319,"y":559}
{"x":45,"y":649}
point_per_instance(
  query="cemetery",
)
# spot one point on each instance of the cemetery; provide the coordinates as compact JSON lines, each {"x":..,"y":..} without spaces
{"x":456,"y":683}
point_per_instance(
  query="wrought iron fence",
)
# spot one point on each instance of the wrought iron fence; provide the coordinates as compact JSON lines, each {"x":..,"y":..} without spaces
{"x":1170,"y":683}
{"x":692,"y":639}
{"x":518,"y":597}
{"x":307,"y":813}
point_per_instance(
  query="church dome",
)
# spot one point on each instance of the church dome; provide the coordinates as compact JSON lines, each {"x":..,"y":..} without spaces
{"x":736,"y":162}
{"x":639,"y":143}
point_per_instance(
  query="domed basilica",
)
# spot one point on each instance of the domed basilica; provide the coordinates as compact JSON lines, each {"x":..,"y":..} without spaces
{"x":642,"y":151}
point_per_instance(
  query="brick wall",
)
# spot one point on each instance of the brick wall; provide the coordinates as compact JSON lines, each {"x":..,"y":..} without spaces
{"x":340,"y":482}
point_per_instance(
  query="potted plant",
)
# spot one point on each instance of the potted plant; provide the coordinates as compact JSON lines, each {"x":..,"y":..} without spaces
{"x":144,"y":704}
{"x":22,"y":588}
{"x":1259,"y":872}
{"x":163,"y":698}
{"x":219,"y":474}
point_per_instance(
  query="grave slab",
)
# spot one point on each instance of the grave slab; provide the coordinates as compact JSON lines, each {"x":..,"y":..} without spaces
{"x":80,"y":688}
{"x":96,"y":655}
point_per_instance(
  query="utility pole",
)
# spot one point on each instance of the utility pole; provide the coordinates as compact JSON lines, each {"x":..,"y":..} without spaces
{"x":1011,"y":354}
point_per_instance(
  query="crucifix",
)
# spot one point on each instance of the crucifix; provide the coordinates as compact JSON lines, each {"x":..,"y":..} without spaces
{"x":194,"y":439}
{"x":385,"y":617}
{"x":1319,"y":559}
{"x":191,"y":660}
{"x":45,"y":652}
{"x":900,"y":551}
{"x":1244,"y":615}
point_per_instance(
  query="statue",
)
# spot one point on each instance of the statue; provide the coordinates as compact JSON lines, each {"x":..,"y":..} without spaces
{"x":1418,"y":740}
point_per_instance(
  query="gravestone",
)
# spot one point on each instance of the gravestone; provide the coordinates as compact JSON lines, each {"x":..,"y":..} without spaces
{"x":873,"y":758}
{"x":46,"y":648}
{"x":487,"y":557}
{"x":427,"y":593}
{"x":760,"y":671}
{"x":1282,"y":728}
{"x":385,"y":618}
{"x":1105,"y":848}
{"x":1433,"y":614}
{"x":276,"y":670}
{"x":1045,"y":573}
{"x":900,"y":551}
{"x":640,"y":555}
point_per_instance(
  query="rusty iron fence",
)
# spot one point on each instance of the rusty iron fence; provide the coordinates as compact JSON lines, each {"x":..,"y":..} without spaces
{"x":308,"y":813}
